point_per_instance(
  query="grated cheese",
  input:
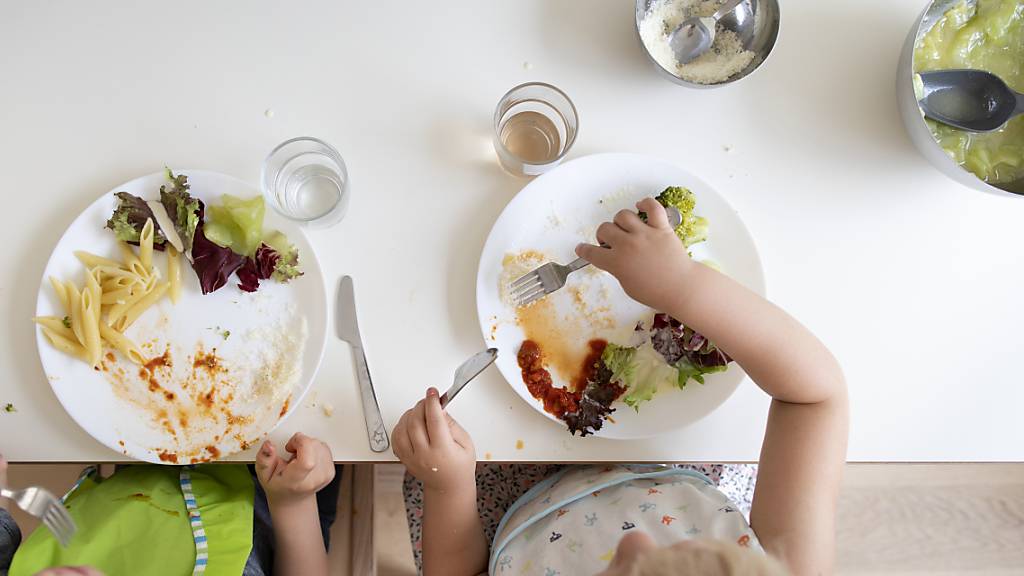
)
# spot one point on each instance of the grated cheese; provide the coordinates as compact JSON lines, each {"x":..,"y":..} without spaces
{"x":726,"y":57}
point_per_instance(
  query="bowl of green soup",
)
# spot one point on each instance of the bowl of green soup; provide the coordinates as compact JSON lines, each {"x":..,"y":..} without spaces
{"x":982,"y":35}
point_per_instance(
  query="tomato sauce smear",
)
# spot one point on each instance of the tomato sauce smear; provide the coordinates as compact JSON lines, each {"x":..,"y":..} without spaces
{"x":557,"y":401}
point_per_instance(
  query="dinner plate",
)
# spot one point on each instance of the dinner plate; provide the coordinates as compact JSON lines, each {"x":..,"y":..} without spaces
{"x":562,"y":208}
{"x":235,"y":364}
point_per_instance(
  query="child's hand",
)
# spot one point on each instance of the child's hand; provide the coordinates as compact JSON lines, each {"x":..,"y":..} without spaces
{"x":287,"y":481}
{"x":647,"y":258}
{"x":434,"y":448}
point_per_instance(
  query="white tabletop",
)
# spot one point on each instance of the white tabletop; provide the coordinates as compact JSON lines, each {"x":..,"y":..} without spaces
{"x":912,"y":280}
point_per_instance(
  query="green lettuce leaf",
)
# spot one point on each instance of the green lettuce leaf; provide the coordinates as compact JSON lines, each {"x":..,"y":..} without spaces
{"x":236,"y":224}
{"x":641,"y":370}
{"x":130,"y":216}
{"x":287,"y":265}
{"x":181,"y":207}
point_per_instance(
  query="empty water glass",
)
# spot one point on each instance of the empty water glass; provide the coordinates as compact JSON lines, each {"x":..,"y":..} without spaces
{"x":304,"y":179}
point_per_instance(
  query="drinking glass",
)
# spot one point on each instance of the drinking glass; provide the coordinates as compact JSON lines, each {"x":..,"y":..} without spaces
{"x":535,"y":125}
{"x":305,"y":180}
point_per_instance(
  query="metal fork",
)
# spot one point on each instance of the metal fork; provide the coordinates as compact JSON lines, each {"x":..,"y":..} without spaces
{"x":42,"y":504}
{"x":551,"y":277}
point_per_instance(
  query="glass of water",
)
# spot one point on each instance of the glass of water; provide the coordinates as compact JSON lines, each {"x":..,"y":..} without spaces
{"x":305,"y":180}
{"x":535,"y":125}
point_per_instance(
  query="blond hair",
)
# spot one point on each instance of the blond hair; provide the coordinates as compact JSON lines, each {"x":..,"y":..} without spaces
{"x":709,"y":558}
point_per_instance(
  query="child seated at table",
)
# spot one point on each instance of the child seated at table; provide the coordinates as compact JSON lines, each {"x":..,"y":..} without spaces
{"x":215,"y":519}
{"x":643,"y":520}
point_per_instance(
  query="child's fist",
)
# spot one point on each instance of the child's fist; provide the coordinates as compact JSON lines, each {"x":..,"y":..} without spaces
{"x":310,"y":469}
{"x":434,"y":448}
{"x":647,"y":258}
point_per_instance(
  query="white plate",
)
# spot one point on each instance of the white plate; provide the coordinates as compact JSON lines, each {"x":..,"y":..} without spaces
{"x":120,"y":411}
{"x":562,"y":208}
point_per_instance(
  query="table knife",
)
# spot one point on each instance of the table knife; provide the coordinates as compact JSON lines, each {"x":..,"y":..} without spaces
{"x":348,"y":330}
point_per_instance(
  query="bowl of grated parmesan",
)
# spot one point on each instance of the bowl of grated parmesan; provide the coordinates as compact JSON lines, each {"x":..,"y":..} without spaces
{"x":730,"y":57}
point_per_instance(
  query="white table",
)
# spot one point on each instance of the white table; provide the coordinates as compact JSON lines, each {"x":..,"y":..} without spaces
{"x":914,"y":281}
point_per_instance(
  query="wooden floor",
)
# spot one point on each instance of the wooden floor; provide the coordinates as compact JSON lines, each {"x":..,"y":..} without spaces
{"x":894,"y":519}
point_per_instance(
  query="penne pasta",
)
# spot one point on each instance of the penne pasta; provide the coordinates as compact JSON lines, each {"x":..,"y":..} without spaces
{"x":112,"y":272}
{"x":117,"y":296}
{"x":91,"y":260}
{"x":95,"y":293}
{"x":91,"y":328}
{"x":140,"y":272}
{"x":117,"y":311}
{"x":127,"y":255}
{"x":133,"y":313}
{"x":119,"y":283}
{"x":75,"y":302}
{"x":65,"y":345}
{"x":122,"y":343}
{"x":173,"y":274}
{"x":55,"y":325}
{"x":146,"y":244}
{"x":62,"y":294}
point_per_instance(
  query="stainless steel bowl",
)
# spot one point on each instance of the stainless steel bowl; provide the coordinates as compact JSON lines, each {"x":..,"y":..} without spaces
{"x":761,"y":41}
{"x":913,"y":119}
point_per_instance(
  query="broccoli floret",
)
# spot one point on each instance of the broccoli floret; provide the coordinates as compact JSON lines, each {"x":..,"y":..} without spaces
{"x":693,"y":228}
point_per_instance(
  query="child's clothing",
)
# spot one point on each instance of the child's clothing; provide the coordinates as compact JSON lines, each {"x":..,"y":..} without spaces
{"x":571,"y":523}
{"x":501,"y":488}
{"x":209,"y":519}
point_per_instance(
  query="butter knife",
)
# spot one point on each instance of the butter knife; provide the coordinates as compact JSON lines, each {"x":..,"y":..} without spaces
{"x":348,"y":330}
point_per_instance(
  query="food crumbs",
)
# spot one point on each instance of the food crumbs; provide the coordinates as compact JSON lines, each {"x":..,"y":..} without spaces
{"x":214,"y":452}
{"x":269,"y":113}
{"x":66,"y":321}
{"x":487,"y":456}
{"x":284,"y":407}
{"x":110,"y":357}
{"x":9,"y":408}
{"x":327,"y":408}
{"x":520,"y":444}
{"x":168,"y":457}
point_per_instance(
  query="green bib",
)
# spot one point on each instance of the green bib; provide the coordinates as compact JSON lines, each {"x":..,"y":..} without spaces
{"x":136,"y":522}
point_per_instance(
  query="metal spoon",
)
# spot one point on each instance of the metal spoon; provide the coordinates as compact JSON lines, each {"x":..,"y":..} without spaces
{"x":694,"y":36}
{"x":469,"y":369}
{"x":971,"y":100}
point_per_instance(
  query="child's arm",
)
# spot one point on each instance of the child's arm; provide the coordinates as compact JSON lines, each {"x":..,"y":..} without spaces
{"x":805,"y":442}
{"x":291,"y":487}
{"x":437,"y":451}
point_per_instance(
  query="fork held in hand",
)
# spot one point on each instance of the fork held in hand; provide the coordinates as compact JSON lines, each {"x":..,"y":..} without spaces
{"x":543,"y":281}
{"x":551,"y":277}
{"x":40,"y":503}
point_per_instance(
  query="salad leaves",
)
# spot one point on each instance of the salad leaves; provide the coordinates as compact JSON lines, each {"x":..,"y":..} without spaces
{"x":595,"y":403}
{"x":130,"y":216}
{"x":219,"y":240}
{"x":181,"y":207}
{"x":213,"y":264}
{"x":670,"y":355}
{"x":236,"y":224}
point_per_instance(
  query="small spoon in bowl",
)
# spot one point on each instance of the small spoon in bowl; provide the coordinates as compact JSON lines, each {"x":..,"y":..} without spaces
{"x":971,"y":100}
{"x":694,"y":36}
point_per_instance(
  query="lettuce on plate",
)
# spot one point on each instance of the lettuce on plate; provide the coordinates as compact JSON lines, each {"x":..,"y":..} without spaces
{"x":275,"y":258}
{"x":236,"y":224}
{"x":213,"y":264}
{"x":181,"y":207}
{"x":670,"y":354}
{"x":688,"y":351}
{"x":641,"y":370}
{"x":130,"y":216}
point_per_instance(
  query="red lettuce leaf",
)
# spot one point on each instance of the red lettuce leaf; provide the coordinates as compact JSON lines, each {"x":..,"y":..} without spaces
{"x":258,"y":267}
{"x":685,"y":348}
{"x":213,"y":264}
{"x":595,"y":403}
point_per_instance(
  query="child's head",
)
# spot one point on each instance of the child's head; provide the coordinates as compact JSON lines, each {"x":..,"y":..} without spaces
{"x":638,"y":555}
